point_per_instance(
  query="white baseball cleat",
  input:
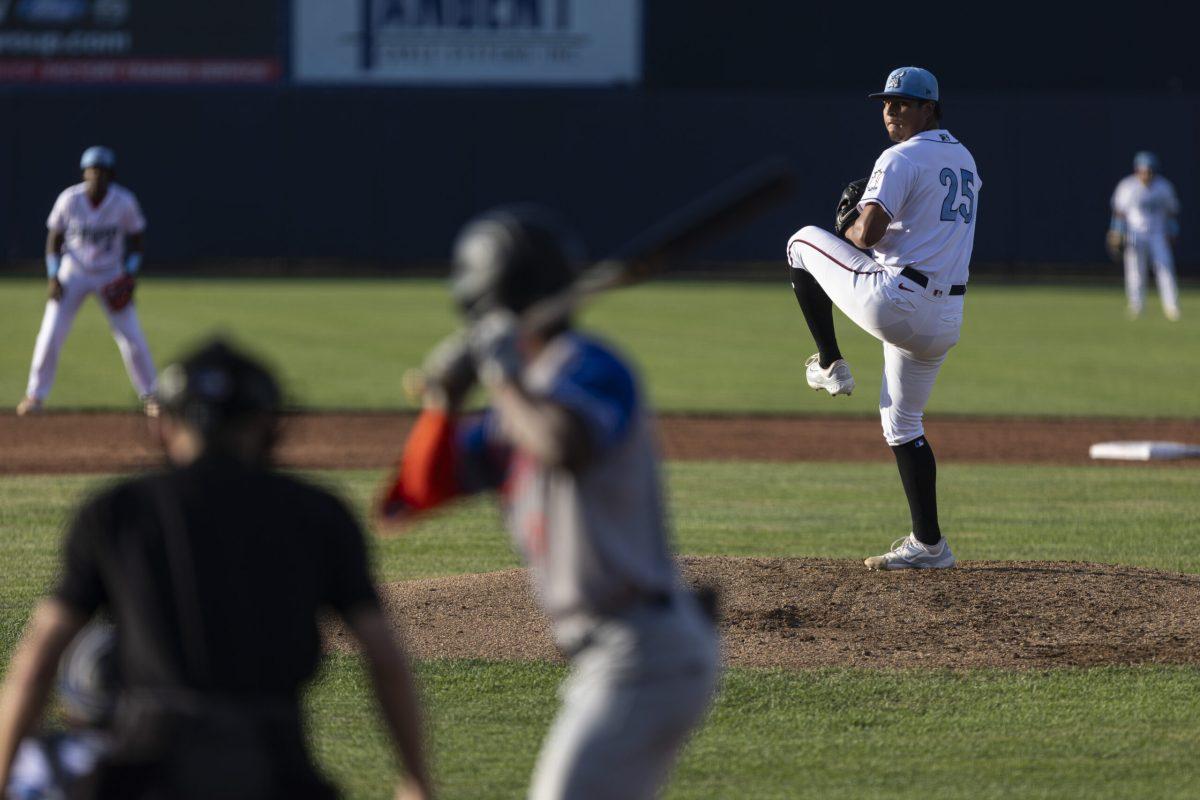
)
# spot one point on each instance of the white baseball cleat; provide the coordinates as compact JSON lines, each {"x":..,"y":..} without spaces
{"x":28,"y":405}
{"x":908,"y":553}
{"x":835,"y":380}
{"x":1172,"y":314}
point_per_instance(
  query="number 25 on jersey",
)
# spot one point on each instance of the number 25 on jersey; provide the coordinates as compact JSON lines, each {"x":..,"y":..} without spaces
{"x":965,"y":209}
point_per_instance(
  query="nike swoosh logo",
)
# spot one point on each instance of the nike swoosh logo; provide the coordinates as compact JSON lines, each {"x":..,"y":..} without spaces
{"x":904,"y":288}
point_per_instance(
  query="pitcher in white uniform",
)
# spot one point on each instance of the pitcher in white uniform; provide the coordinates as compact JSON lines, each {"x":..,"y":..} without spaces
{"x":1145,"y":222}
{"x":569,"y":444}
{"x":95,"y":236}
{"x":916,"y":217}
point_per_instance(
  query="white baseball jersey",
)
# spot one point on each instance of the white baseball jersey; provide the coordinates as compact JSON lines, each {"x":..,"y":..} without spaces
{"x":929,"y":186}
{"x":1146,"y":209}
{"x":95,"y":235}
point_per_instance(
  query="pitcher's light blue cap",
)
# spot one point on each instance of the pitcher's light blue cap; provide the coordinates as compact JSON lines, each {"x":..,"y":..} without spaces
{"x":912,"y":82}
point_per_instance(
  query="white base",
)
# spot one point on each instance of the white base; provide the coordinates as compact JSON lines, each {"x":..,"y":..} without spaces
{"x":1143,"y":451}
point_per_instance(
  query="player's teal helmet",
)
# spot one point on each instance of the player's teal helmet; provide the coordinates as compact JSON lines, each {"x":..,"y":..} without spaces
{"x":1145,"y":160}
{"x":98,"y":157}
{"x":911,"y":82}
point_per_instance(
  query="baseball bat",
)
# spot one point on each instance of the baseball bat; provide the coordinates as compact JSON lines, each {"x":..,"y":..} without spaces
{"x":715,"y":213}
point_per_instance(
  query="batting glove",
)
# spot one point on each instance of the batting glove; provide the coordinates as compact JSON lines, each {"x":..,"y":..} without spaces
{"x":449,"y":370}
{"x":493,"y":343}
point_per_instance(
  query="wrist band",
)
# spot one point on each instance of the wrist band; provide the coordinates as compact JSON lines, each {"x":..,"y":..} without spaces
{"x":133,"y":262}
{"x":53,"y":262}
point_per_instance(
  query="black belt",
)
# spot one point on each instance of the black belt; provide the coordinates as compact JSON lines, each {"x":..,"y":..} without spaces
{"x":656,"y":600}
{"x":923,"y":281}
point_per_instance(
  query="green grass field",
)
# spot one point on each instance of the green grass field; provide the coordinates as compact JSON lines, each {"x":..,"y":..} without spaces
{"x":838,"y":733}
{"x":702,"y":346}
{"x":1097,"y":733}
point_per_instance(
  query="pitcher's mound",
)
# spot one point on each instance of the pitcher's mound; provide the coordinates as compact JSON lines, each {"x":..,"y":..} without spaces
{"x":805,"y":613}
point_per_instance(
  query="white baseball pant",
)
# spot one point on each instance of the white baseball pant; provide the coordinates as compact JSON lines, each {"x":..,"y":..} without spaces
{"x":1141,"y":251}
{"x":77,"y":284}
{"x":917,"y":326}
{"x":633,"y":696}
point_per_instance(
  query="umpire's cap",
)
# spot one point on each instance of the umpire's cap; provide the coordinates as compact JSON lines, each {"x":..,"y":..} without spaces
{"x":88,"y":677}
{"x":914,"y":83}
{"x":98,"y":156}
{"x":511,"y":257}
{"x":216,"y":385}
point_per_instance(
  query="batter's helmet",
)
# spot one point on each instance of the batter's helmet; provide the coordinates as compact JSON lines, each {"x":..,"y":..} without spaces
{"x":87,"y":675}
{"x":912,"y":82}
{"x":98,"y":157}
{"x":510,"y":258}
{"x":216,"y":385}
{"x":1145,"y":160}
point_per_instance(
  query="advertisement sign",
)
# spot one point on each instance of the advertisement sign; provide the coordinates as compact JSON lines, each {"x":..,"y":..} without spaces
{"x":139,"y":41}
{"x":467,"y":42}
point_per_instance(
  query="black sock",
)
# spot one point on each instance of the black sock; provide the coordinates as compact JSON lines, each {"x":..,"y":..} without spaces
{"x":918,"y":473}
{"x":818,"y":313}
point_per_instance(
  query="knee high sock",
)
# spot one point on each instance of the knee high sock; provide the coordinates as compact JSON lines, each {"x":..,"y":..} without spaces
{"x":918,"y":473}
{"x":818,"y":313}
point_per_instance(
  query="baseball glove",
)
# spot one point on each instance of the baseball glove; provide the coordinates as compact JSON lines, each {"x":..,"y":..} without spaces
{"x":1114,"y":243}
{"x":118,"y":293}
{"x":847,"y":207}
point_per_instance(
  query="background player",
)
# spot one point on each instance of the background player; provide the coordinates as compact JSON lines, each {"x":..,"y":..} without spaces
{"x":917,"y":213}
{"x":94,"y":246}
{"x":1144,"y":226}
{"x":570,"y":445}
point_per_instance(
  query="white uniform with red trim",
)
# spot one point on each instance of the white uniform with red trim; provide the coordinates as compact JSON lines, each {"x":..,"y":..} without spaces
{"x":93,"y":254}
{"x":929,"y":187}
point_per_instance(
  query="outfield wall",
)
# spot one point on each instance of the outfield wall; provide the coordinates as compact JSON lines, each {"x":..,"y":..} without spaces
{"x":385,"y":176}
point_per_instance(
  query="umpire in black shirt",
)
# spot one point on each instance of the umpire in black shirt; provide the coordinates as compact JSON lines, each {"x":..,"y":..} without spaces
{"x":214,"y":572}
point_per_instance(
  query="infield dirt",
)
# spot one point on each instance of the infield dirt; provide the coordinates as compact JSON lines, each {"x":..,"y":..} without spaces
{"x":108,"y":442}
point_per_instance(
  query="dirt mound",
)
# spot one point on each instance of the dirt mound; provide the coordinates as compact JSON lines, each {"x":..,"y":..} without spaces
{"x":809,"y":613}
{"x":111,"y":442}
